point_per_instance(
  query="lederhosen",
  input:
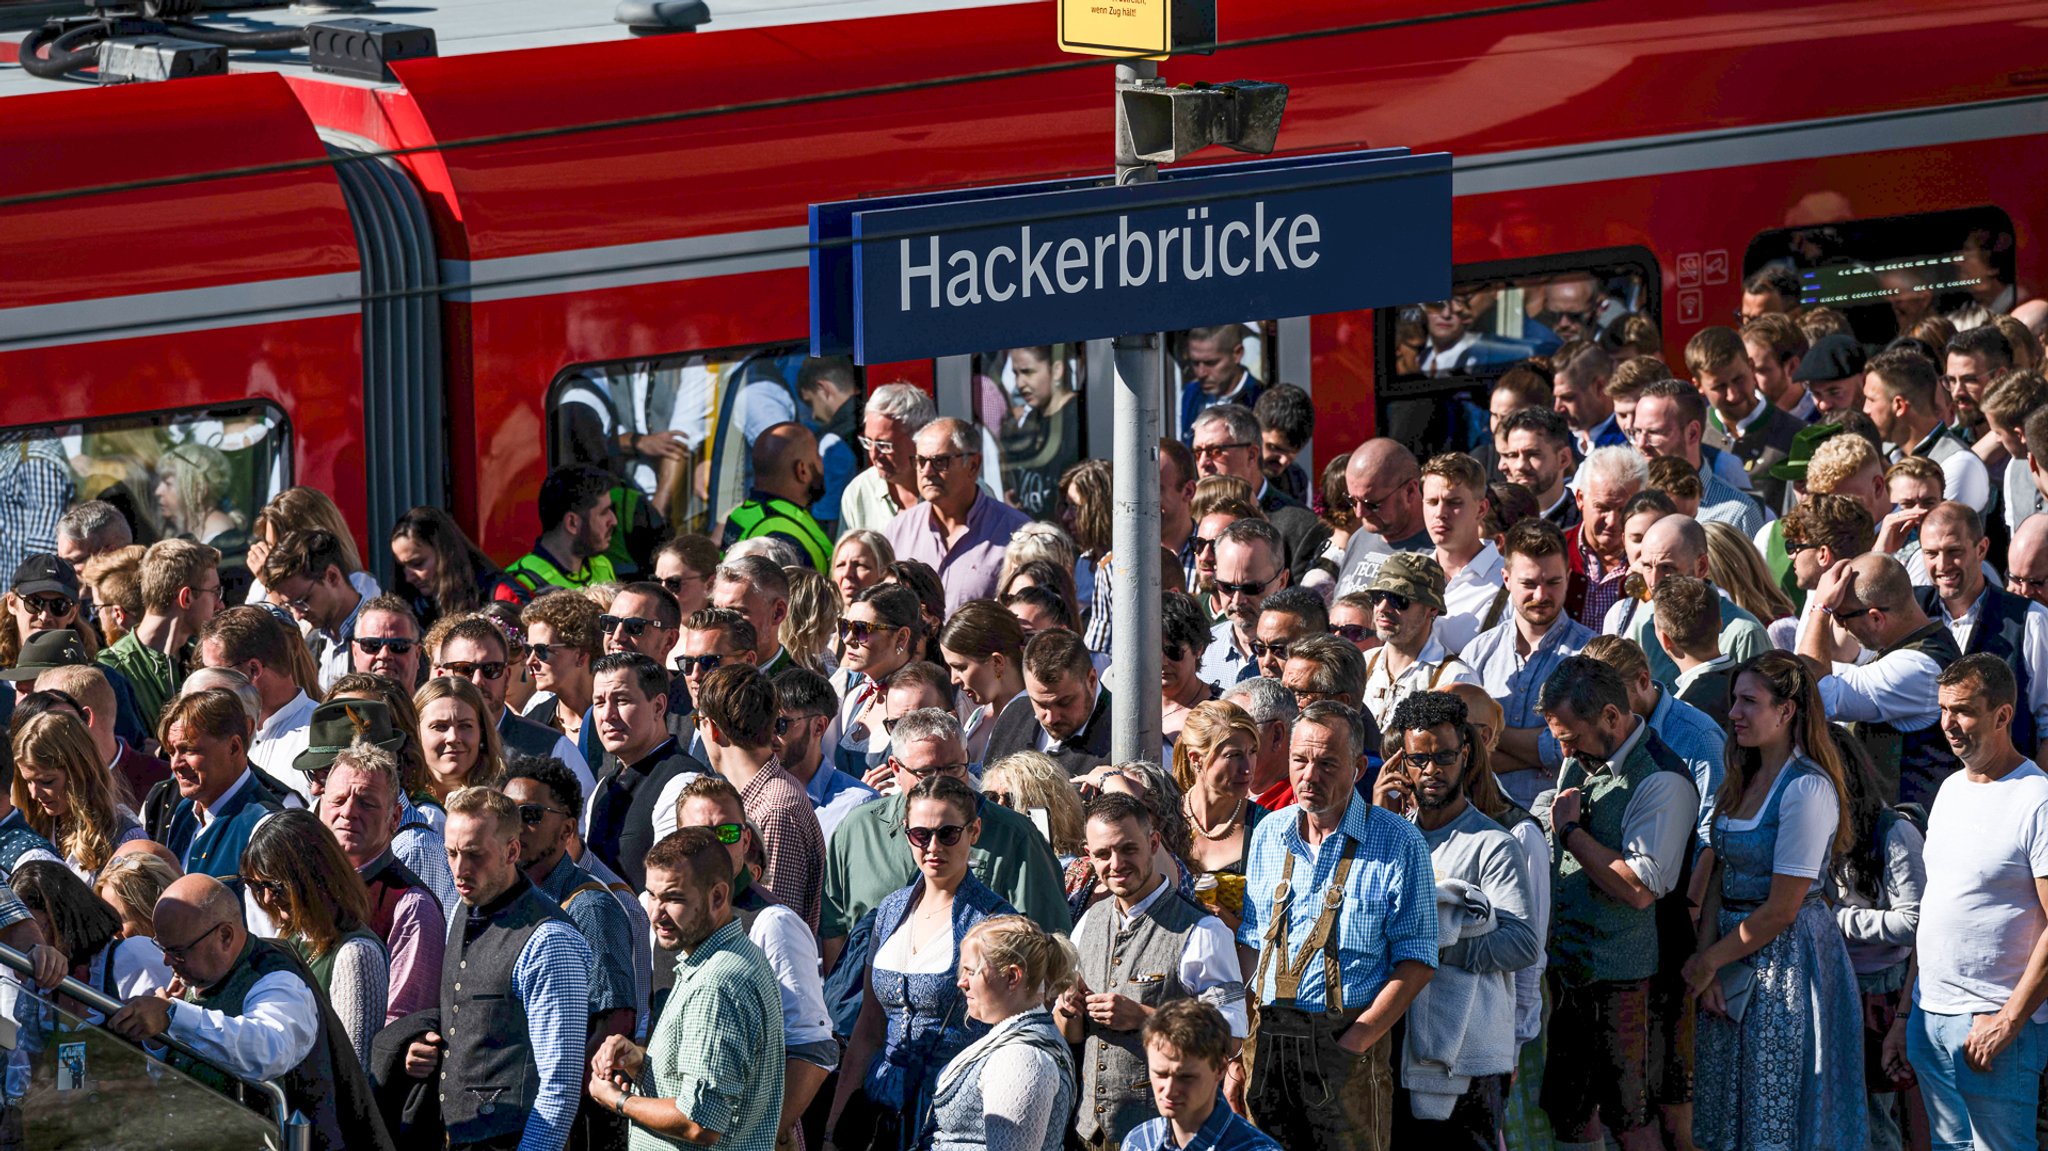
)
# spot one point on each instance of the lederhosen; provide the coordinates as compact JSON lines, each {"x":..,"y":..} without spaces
{"x":1305,"y":1090}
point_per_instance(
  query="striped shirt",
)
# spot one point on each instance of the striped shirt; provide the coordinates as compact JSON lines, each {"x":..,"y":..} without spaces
{"x":552,"y":980}
{"x":717,"y":1049}
{"x":1223,"y":1130}
{"x":1389,"y":906}
{"x":1723,"y":502}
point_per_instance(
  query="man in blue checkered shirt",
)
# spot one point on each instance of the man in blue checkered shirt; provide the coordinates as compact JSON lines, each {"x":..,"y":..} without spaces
{"x":1340,"y":908}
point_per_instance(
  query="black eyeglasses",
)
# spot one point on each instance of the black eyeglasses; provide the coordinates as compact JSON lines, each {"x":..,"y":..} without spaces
{"x":1438,"y":758}
{"x":177,"y":953}
{"x":1352,"y":632}
{"x":1262,"y":649}
{"x":1393,"y":600}
{"x":492,"y":669}
{"x":636,"y":626}
{"x":728,"y":833}
{"x":48,"y":604}
{"x":1227,"y":588}
{"x":698,"y":664}
{"x":530,"y":813}
{"x":921,"y":837}
{"x":371,"y":645}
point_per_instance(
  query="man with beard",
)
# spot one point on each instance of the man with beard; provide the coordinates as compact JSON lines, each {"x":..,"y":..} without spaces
{"x":1621,"y":820}
{"x":807,"y":706}
{"x":1340,"y":909}
{"x":1454,"y":1078}
{"x":789,"y":477}
{"x":1144,"y":947}
{"x":1983,"y":618}
{"x":1535,"y":446}
{"x":712,"y":1071}
{"x":1407,"y":598}
{"x":1899,"y":397}
{"x":577,"y":521}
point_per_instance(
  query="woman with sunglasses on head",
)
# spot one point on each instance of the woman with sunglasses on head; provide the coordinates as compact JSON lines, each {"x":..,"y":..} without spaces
{"x":914,"y":1017}
{"x":104,"y":956}
{"x":67,"y":795}
{"x":877,"y":635}
{"x":298,"y":876}
{"x":983,"y":647}
{"x":1014,"y":1088}
{"x":43,"y":596}
{"x":861,"y":560}
{"x":1213,"y":766}
{"x":440,"y":572}
{"x":1184,"y":634}
{"x":1780,"y":1049}
{"x":461,"y":745}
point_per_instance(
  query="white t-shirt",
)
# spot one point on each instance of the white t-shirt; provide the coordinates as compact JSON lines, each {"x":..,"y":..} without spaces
{"x":1980,"y":916}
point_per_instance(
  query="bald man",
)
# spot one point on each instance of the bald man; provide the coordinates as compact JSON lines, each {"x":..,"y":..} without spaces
{"x":789,"y":477}
{"x":1867,"y":604}
{"x":252,"y":1007}
{"x":1677,"y":545}
{"x":2026,"y":560}
{"x":1385,"y":484}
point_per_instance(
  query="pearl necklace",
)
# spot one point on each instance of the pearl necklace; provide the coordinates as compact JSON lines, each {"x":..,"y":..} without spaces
{"x":1229,"y":825}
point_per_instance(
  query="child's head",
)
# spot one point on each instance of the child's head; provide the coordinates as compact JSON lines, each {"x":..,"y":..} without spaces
{"x":1187,"y":1043}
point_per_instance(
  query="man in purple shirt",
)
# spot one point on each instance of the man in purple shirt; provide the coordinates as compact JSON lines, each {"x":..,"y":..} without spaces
{"x":959,"y":529}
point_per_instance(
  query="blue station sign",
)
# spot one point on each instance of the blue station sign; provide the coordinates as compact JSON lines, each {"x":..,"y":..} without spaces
{"x":910,"y":277}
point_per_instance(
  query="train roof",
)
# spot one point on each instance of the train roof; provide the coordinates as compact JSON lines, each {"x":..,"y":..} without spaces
{"x":465,"y":27}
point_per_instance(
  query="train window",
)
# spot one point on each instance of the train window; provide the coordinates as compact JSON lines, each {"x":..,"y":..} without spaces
{"x":196,"y":474}
{"x":1441,"y":357}
{"x":1886,"y":275}
{"x":1030,"y":404}
{"x":677,"y":428}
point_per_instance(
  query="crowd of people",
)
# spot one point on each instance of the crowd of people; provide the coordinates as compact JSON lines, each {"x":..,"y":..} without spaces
{"x":1607,"y":789}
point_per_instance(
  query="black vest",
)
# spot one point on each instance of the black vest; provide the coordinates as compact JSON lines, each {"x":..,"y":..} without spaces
{"x":328,"y":1086}
{"x":1911,"y":764}
{"x":622,"y":813}
{"x":522,"y":736}
{"x":2000,"y":630}
{"x":489,"y":1079}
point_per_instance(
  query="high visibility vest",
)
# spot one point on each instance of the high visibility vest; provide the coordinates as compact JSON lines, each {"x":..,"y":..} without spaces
{"x":779,"y":516}
{"x":534,"y":571}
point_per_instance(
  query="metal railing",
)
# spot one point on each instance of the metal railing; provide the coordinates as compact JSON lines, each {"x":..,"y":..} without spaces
{"x":293,"y":1131}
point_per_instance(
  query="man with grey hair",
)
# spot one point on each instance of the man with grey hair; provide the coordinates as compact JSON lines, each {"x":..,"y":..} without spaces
{"x":1249,"y":567}
{"x":359,"y":804}
{"x":1606,"y":481}
{"x":959,"y":529}
{"x":893,"y":414}
{"x":92,"y":528}
{"x":1384,"y":482}
{"x":758,"y":588}
{"x":868,"y":857}
{"x":1273,"y":709}
{"x":1227,"y":442}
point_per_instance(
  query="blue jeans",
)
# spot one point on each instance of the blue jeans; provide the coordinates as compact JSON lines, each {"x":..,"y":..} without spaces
{"x":1990,"y":1111}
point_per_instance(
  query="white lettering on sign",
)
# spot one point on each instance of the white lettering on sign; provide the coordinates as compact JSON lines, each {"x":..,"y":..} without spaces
{"x":1125,"y":257}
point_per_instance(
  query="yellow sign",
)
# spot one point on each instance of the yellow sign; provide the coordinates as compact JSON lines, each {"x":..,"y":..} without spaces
{"x":1136,"y":28}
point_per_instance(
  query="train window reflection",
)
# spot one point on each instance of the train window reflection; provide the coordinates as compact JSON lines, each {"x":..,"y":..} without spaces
{"x":1029,"y":404}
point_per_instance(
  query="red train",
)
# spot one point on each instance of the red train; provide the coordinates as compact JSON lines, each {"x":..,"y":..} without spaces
{"x":189,"y":260}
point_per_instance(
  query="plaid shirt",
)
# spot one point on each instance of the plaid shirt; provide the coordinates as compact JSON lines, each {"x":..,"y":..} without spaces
{"x":35,"y":488}
{"x":778,"y":806}
{"x":1603,"y":587}
{"x":717,"y":1050}
{"x":1223,"y":1130}
{"x":1389,"y":911}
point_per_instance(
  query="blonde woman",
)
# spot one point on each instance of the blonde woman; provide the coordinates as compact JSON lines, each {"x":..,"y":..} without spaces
{"x":812,"y":624}
{"x":1212,"y":763}
{"x":1013,"y":1089}
{"x":1736,"y":568}
{"x":460,"y":742}
{"x":67,"y":795}
{"x":1031,"y":781}
{"x":131,"y":884}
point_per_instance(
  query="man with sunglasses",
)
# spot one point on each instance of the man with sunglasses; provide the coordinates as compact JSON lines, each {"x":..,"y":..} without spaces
{"x":181,"y":590}
{"x":868,"y":859}
{"x":1249,"y":567}
{"x":1407,"y":599}
{"x":309,"y":571}
{"x":549,"y":800}
{"x":630,"y":716}
{"x":736,"y":712}
{"x":476,"y":650}
{"x":253,"y":641}
{"x":2026,"y":561}
{"x":810,"y":1053}
{"x":1288,"y":615}
{"x":252,"y":1009}
{"x":387,"y":641}
{"x":1226,"y":443}
{"x":959,"y":529}
{"x":1384,"y":482}
{"x":1867,"y":605}
{"x":712,"y":638}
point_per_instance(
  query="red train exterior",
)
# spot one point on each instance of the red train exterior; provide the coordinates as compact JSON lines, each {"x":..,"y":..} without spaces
{"x":1681,"y":129}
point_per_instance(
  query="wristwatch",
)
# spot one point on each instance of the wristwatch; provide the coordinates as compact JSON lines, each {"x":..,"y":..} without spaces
{"x":1566,"y":834}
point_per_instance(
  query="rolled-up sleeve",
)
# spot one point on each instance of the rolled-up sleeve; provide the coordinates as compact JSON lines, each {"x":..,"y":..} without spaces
{"x":1657,"y":829}
{"x":1897,"y":689}
{"x":280,"y":1019}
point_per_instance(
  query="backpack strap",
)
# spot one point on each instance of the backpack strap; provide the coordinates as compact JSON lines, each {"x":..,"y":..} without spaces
{"x":593,"y":885}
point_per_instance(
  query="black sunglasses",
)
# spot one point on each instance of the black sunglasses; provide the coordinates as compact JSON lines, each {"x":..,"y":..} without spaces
{"x":1204,"y":543}
{"x":530,"y":813}
{"x":921,"y":837}
{"x":1846,"y":616}
{"x":1261,"y":650}
{"x":1352,"y":632}
{"x":371,"y":645}
{"x":636,"y":626}
{"x":49,"y":604}
{"x":1392,"y":599}
{"x":1228,"y":588}
{"x":699,"y":664}
{"x":1174,"y":653}
{"x":493,"y":669}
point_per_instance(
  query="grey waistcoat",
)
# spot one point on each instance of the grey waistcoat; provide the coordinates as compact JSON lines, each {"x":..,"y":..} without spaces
{"x":1141,"y":963}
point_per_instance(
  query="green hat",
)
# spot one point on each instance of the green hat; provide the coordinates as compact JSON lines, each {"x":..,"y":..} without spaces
{"x":338,"y":723}
{"x":1413,"y":575}
{"x":1803,"y":444}
{"x":52,"y":647}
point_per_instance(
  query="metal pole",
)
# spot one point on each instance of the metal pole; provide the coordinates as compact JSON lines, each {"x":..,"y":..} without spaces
{"x":293,"y":1128}
{"x":1135,"y":588}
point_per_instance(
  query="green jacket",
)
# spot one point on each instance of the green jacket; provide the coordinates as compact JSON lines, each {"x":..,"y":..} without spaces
{"x":154,"y":675}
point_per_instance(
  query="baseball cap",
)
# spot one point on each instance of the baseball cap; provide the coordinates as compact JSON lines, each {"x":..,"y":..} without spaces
{"x":42,"y":574}
{"x":1804,"y":442}
{"x":1413,"y":575}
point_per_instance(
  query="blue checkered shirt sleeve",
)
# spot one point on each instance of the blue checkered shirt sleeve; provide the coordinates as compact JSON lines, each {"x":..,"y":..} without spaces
{"x":552,"y":980}
{"x":35,"y":488}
